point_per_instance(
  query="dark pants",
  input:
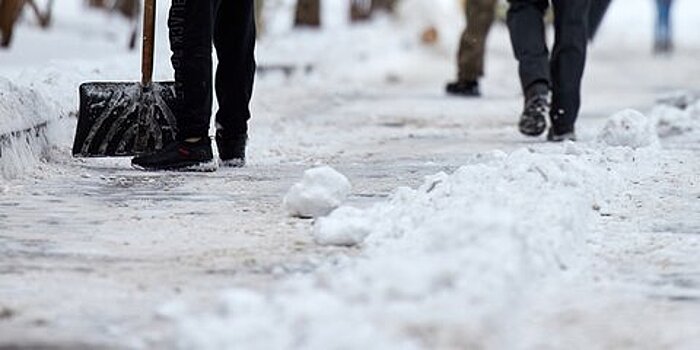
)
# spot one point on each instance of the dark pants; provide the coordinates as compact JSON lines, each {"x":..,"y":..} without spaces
{"x":470,"y":60}
{"x":230,"y":25}
{"x":563,"y":71}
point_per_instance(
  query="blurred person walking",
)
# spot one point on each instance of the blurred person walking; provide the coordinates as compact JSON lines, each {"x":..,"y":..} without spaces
{"x":194,"y":26}
{"x":470,"y":59}
{"x":663,"y":40}
{"x":541,"y":74}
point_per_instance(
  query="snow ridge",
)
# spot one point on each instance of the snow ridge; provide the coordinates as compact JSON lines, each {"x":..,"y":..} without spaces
{"x":24,"y":115}
{"x":447,"y":265}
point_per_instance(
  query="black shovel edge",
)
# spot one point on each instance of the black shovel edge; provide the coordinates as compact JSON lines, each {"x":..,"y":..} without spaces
{"x":127,"y":118}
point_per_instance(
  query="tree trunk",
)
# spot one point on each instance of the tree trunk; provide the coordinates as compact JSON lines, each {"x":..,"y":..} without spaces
{"x":9,"y":11}
{"x":308,"y":13}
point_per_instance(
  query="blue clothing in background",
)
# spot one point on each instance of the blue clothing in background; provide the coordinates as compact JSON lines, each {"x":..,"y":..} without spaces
{"x":663,"y":25}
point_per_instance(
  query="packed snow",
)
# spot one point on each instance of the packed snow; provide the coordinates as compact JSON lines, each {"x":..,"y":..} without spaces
{"x":347,"y":226}
{"x":629,"y":128}
{"x":456,"y":232}
{"x":465,"y":250}
{"x":321,"y":190}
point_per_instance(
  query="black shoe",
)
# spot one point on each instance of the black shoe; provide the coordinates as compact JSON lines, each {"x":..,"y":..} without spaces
{"x":464,"y":88}
{"x":231,"y":149}
{"x":561,"y":134}
{"x":533,"y":120}
{"x":180,"y":156}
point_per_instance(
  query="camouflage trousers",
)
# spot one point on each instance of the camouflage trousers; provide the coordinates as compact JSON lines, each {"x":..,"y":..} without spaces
{"x":470,"y":60}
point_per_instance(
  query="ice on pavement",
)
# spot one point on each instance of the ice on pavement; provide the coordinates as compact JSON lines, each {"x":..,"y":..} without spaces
{"x":321,"y":190}
{"x":629,"y":128}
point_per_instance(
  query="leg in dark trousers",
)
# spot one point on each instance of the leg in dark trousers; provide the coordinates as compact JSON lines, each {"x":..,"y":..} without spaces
{"x":568,"y":61}
{"x":234,"y":39}
{"x":195,"y":26}
{"x":191,"y":32}
{"x":562,"y":72}
{"x":527,"y":35}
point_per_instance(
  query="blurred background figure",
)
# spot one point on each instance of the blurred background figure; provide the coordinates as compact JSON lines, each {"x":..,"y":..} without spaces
{"x":663,"y":41}
{"x":130,"y":9}
{"x":470,"y":59}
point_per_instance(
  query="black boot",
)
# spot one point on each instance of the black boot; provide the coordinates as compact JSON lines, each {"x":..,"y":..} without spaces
{"x":463,"y":88}
{"x":180,"y":156}
{"x":231,"y":149}
{"x":560,"y":134}
{"x":533,"y":120}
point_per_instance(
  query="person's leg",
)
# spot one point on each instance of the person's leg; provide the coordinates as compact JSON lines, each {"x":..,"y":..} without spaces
{"x":470,"y":58}
{"x":234,"y":39}
{"x":480,"y":16}
{"x":568,"y":62}
{"x":190,"y":25}
{"x":527,"y":33}
{"x":526,"y":26}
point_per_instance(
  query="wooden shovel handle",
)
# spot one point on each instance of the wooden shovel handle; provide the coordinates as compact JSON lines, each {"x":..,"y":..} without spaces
{"x":149,"y":33}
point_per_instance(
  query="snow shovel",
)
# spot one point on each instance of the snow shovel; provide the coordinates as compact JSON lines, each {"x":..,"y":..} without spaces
{"x":124,"y":118}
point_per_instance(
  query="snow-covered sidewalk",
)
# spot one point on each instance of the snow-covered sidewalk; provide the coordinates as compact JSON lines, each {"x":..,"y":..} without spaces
{"x":468,"y":235}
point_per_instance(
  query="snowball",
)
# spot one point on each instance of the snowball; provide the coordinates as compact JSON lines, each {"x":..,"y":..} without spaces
{"x":629,"y":128}
{"x":346,"y":226}
{"x":320,"y":191}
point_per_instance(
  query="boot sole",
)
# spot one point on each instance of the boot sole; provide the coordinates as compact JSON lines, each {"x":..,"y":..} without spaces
{"x":526,"y":128}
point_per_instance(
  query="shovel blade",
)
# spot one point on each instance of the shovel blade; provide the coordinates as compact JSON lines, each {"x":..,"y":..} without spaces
{"x":124,"y":119}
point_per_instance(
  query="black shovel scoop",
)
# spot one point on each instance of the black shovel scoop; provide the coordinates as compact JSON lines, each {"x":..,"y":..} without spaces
{"x":127,"y":119}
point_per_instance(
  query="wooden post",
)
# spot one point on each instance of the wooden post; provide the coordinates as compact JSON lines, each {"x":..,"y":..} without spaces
{"x":308,"y":13}
{"x":9,"y":11}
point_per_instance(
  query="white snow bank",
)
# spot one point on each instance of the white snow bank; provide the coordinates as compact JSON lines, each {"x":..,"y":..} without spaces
{"x":24,"y":119}
{"x":40,"y":113}
{"x":321,"y":190}
{"x":629,"y":128}
{"x":446,"y":265}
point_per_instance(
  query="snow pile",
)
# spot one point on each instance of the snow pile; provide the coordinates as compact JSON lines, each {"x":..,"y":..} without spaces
{"x":321,"y":190}
{"x":347,"y":226}
{"x":24,"y":118}
{"x":629,"y":128}
{"x":447,"y":265}
{"x":676,"y":119}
